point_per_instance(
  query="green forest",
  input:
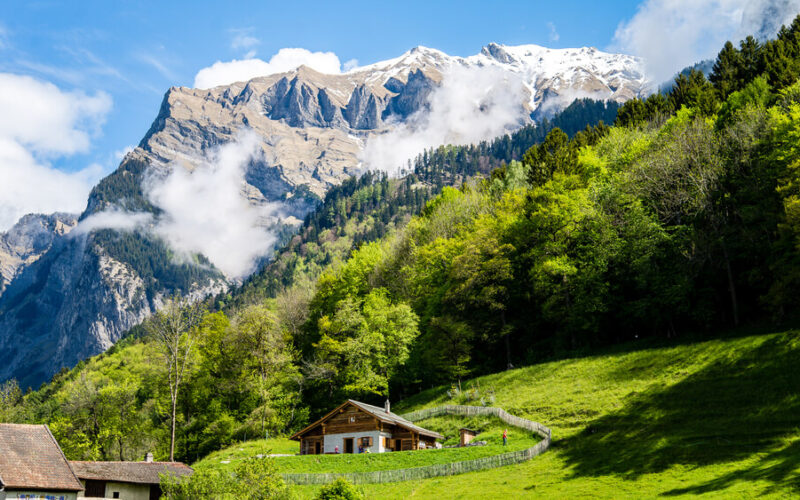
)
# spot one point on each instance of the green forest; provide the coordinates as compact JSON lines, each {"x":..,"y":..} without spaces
{"x":681,"y":216}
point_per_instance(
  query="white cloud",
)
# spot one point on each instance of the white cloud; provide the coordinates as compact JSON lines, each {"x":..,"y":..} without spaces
{"x":553,"y":36}
{"x":40,"y":116}
{"x":673,"y":34}
{"x":40,"y":122}
{"x":470,"y":105}
{"x":287,"y":59}
{"x":349,"y":65}
{"x":241,"y":40}
{"x":205,"y":211}
{"x":113,"y":219}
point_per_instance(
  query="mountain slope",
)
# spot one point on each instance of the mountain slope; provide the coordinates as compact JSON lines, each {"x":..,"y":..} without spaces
{"x":27,"y":240}
{"x":309,"y":132}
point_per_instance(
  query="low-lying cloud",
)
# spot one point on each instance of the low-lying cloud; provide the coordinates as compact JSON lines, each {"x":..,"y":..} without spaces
{"x":673,"y":34}
{"x":114,"y":219}
{"x":40,"y":122}
{"x":205,"y":210}
{"x":470,"y":105}
{"x":287,"y":59}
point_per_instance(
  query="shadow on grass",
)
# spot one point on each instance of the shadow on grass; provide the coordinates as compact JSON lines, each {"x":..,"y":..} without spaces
{"x":737,"y":406}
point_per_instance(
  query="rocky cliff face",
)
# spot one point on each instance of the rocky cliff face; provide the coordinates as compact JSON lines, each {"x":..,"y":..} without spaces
{"x":27,"y":240}
{"x":69,"y":295}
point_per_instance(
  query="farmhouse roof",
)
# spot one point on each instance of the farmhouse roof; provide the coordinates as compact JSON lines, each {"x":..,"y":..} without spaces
{"x":377,"y":412}
{"x":30,"y":458}
{"x":129,"y":472}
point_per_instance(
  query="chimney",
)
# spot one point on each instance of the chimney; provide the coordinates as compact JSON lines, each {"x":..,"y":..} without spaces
{"x":148,"y":457}
{"x":386,"y":405}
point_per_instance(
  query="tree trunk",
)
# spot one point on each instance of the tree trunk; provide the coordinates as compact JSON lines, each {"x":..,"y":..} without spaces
{"x":172,"y":432}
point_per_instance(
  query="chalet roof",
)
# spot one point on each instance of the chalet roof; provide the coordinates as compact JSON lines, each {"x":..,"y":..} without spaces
{"x":129,"y":472}
{"x":30,"y":458}
{"x":377,"y":412}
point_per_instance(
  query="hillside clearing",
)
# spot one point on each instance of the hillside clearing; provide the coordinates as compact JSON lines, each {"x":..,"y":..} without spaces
{"x":490,"y":429}
{"x":717,"y":418}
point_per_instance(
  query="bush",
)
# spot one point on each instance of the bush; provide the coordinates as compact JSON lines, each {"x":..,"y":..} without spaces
{"x":341,"y":489}
{"x":255,"y":478}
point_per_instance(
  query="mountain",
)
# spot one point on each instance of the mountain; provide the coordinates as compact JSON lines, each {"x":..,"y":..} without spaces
{"x":28,"y":239}
{"x":90,"y":286}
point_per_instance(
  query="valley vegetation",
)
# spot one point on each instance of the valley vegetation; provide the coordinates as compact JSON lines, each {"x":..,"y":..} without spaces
{"x":683,"y":217}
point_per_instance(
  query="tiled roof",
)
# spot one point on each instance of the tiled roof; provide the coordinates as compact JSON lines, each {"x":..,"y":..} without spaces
{"x":382,"y":414}
{"x":30,"y":458}
{"x":377,"y":412}
{"x":129,"y":472}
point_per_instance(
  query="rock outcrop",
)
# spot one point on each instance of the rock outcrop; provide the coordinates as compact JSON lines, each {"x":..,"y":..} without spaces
{"x":27,"y":240}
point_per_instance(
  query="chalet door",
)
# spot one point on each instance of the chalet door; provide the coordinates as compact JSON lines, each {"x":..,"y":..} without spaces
{"x":348,"y":445}
{"x":317,"y":447}
{"x":398,"y":445}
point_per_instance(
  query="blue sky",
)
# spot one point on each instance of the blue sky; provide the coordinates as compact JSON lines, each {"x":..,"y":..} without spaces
{"x":117,"y":58}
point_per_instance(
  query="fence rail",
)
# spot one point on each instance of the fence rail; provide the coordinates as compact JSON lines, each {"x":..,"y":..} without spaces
{"x":450,"y":469}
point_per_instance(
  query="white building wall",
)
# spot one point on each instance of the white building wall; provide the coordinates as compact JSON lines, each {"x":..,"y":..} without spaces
{"x":127,"y":491}
{"x":331,"y":441}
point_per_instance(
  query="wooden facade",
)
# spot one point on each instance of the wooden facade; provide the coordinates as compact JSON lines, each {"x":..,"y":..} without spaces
{"x":355,"y":427}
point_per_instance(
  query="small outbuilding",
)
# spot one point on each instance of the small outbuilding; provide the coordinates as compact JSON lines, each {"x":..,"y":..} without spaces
{"x":467,"y":435}
{"x":32,"y":465}
{"x":354,"y":427}
{"x":126,"y":480}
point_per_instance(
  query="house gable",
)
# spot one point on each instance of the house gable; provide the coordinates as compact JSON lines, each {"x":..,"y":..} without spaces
{"x":346,"y":417}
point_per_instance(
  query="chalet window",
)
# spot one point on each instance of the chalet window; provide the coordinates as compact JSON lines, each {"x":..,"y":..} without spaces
{"x":365,"y":442}
{"x":352,"y":419}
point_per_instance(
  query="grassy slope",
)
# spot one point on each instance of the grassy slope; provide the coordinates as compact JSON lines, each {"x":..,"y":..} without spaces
{"x":720,"y":418}
{"x":490,"y":431}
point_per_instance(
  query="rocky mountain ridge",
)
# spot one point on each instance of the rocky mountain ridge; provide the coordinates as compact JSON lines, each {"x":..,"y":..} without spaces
{"x":28,"y":239}
{"x":85,"y":290}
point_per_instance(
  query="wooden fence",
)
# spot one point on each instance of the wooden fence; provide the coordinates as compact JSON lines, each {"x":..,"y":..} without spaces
{"x":450,"y":469}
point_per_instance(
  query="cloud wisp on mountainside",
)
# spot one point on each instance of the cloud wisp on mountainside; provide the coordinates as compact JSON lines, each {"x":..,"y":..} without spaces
{"x":206,"y":211}
{"x":470,"y":105}
{"x":203,"y":211}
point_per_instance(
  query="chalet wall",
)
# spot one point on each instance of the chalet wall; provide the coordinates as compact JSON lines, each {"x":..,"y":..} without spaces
{"x":331,"y":441}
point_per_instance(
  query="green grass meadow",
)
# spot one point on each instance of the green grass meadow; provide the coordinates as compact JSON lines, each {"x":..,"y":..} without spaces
{"x":717,"y":419}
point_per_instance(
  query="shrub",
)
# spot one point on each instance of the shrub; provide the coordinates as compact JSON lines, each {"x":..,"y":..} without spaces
{"x":341,"y":489}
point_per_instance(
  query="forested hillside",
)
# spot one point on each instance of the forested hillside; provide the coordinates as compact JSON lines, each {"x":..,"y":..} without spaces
{"x":682,"y":217}
{"x":246,"y":373}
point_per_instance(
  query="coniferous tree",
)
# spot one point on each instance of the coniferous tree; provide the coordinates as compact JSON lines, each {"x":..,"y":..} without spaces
{"x":725,"y":75}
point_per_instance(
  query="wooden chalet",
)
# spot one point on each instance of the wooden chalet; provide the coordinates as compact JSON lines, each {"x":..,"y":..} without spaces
{"x":355,"y":427}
